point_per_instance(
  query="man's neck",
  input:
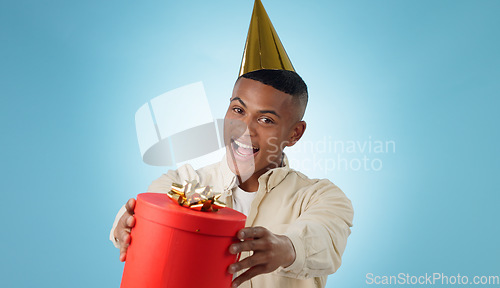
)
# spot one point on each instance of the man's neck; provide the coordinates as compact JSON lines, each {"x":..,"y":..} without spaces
{"x":250,"y":185}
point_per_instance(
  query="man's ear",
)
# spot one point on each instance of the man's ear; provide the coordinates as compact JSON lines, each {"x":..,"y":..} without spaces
{"x":297,"y":131}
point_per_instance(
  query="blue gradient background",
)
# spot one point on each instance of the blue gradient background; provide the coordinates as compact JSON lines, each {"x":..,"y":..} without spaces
{"x":424,"y":74}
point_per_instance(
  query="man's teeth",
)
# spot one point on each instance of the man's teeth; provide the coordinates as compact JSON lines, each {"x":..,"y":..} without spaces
{"x":243,"y":155}
{"x":243,"y":145}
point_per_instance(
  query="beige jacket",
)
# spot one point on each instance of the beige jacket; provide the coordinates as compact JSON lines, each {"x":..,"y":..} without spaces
{"x":315,"y":214}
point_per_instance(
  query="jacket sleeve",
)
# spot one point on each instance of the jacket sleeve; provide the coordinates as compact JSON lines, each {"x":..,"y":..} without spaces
{"x":160,"y":185}
{"x":319,"y":235}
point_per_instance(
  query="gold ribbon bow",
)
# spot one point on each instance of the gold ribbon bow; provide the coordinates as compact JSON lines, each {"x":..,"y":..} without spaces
{"x":196,"y":197}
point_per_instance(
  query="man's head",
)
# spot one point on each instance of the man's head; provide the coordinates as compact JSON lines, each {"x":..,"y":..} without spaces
{"x":288,"y":82}
{"x":264,"y":116}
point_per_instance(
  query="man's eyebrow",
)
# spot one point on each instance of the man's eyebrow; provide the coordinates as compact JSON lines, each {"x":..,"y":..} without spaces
{"x":269,"y":111}
{"x":261,"y":111}
{"x":239,"y":99}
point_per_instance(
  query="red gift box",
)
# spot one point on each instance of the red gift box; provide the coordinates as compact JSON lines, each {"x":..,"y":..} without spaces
{"x":177,"y":247}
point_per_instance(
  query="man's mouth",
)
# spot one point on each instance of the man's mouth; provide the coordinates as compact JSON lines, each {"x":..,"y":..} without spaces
{"x":243,"y":150}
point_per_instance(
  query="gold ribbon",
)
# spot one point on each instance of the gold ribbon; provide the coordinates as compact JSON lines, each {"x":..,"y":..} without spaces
{"x":196,"y":197}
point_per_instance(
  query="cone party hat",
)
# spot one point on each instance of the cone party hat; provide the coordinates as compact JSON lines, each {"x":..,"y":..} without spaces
{"x":263,"y":48}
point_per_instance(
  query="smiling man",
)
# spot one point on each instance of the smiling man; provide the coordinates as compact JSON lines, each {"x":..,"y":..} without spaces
{"x":264,"y":116}
{"x":296,"y":228}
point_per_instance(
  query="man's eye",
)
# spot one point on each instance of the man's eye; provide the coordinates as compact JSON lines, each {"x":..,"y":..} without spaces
{"x":266,"y":120}
{"x":238,"y":110}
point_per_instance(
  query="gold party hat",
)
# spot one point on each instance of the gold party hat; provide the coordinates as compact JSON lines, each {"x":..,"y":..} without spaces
{"x":263,"y":49}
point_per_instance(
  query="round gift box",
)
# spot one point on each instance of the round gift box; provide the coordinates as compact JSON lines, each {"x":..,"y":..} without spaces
{"x":174,"y":246}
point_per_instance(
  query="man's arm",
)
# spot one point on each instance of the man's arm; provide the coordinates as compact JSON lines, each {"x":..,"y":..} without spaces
{"x":320,"y":234}
{"x":315,"y":241}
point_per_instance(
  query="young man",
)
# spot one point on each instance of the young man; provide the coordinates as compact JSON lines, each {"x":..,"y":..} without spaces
{"x":296,"y":228}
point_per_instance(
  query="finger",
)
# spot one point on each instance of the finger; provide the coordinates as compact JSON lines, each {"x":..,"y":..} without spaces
{"x":125,"y":224}
{"x":252,"y":232}
{"x":252,"y":261}
{"x":130,"y":206}
{"x":122,"y":224}
{"x":250,"y":273}
{"x":130,"y":223}
{"x":249,"y":245}
{"x":125,"y":234}
{"x":125,"y":240}
{"x":124,"y":246}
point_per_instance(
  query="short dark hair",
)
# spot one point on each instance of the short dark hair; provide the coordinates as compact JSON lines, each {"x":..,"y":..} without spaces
{"x":285,"y":81}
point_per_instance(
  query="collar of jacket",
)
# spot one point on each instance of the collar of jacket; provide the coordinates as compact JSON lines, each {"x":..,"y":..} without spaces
{"x":270,"y":179}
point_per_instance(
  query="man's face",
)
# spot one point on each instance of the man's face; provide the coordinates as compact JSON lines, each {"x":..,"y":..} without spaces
{"x":259,"y":123}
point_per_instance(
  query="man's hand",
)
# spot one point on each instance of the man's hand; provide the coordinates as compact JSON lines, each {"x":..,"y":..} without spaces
{"x":122,"y":230}
{"x":270,"y":251}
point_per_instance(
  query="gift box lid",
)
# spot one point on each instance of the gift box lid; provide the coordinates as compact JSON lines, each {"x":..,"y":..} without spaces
{"x":159,"y":208}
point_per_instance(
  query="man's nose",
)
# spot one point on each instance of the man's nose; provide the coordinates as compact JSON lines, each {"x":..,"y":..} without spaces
{"x":242,"y":127}
{"x":250,"y":124}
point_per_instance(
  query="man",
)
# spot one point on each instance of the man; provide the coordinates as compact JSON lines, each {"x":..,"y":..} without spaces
{"x":297,"y":228}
